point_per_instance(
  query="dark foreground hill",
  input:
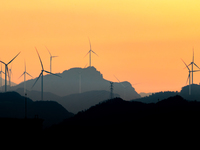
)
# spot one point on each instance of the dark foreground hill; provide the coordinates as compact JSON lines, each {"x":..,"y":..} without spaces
{"x":12,"y":105}
{"x":170,"y":114}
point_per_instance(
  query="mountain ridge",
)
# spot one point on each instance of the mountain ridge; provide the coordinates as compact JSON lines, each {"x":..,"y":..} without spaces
{"x":78,"y":80}
{"x":170,"y":113}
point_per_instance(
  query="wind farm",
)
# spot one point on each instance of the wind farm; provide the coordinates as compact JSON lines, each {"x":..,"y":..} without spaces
{"x":122,"y":43}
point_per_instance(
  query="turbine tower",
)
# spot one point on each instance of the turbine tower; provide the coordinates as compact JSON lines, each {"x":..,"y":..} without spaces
{"x":192,"y":64}
{"x":6,"y":70}
{"x":1,"y":77}
{"x":50,"y":59}
{"x":123,"y":87}
{"x":41,"y":75}
{"x":111,"y":90}
{"x":80,"y":78}
{"x":24,"y":74}
{"x":90,"y":52}
{"x":10,"y":75}
{"x":189,"y":77}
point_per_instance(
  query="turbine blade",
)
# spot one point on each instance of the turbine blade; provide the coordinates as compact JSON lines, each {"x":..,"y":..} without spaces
{"x":193,"y":56}
{"x":3,"y":62}
{"x":21,"y":75}
{"x":2,"y":72}
{"x":116,"y":78}
{"x":188,"y":78}
{"x":189,"y":64}
{"x":86,"y":54}
{"x":185,"y":64}
{"x":52,"y":73}
{"x":119,"y":81}
{"x":85,"y":66}
{"x":37,"y":79}
{"x":40,"y":59}
{"x":136,"y":83}
{"x":195,"y":70}
{"x":7,"y":71}
{"x":48,"y":50}
{"x":25,"y":65}
{"x":90,"y":43}
{"x":95,"y":53}
{"x":54,"y":56}
{"x":14,"y":57}
{"x":196,"y":65}
{"x":29,"y":74}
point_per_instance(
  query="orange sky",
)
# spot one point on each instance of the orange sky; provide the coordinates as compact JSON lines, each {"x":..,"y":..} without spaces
{"x":140,"y":41}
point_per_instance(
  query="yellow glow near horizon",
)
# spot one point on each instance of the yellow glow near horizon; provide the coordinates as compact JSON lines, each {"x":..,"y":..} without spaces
{"x":140,"y":41}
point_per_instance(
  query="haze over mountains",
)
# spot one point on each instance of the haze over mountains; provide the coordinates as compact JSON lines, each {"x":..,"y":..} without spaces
{"x":79,"y":80}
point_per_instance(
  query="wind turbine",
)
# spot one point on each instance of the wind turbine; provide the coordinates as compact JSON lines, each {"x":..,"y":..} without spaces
{"x":50,"y":59}
{"x":6,"y":70}
{"x":189,"y":78}
{"x":123,"y":87}
{"x":90,"y":52}
{"x":111,"y":90}
{"x":192,"y":63}
{"x":80,"y":72}
{"x":1,"y":76}
{"x":10,"y":75}
{"x":24,"y":74}
{"x":41,"y":75}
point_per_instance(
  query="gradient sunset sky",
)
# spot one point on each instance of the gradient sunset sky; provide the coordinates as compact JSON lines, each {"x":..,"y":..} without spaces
{"x":140,"y":41}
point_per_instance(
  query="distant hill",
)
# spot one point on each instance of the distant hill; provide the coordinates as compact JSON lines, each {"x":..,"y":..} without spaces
{"x":74,"y":102}
{"x":155,"y":97}
{"x":195,"y":92}
{"x":143,"y":94}
{"x":36,"y":95}
{"x":12,"y":105}
{"x":79,"y":80}
{"x":78,"y":102}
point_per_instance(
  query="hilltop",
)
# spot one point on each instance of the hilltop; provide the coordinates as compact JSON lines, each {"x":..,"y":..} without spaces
{"x":159,"y":96}
{"x":171,"y":114}
{"x":79,"y":80}
{"x":12,"y":105}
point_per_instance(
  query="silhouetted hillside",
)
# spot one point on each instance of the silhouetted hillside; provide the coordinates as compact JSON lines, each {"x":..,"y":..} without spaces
{"x":155,"y":97}
{"x":172,"y":114}
{"x":88,"y":78}
{"x":195,"y":92}
{"x":36,"y":95}
{"x":78,"y":102}
{"x":195,"y":95}
{"x":12,"y":105}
